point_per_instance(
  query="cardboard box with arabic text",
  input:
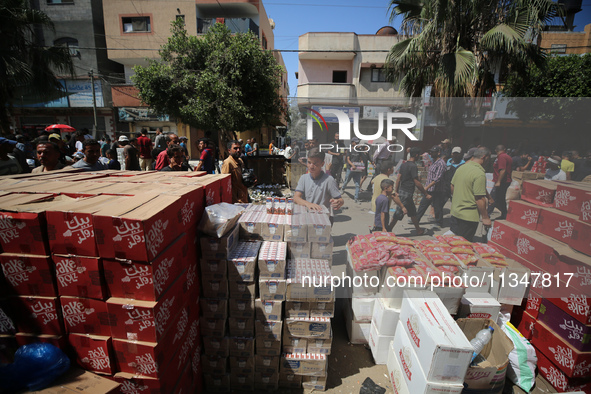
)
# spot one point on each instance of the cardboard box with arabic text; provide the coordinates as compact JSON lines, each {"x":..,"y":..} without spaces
{"x":539,"y":192}
{"x":556,"y":224}
{"x":83,"y":382}
{"x":28,"y":274}
{"x":37,"y":315}
{"x":93,"y":352}
{"x":85,"y":316}
{"x":570,"y":196}
{"x":558,"y":379}
{"x":80,"y":277}
{"x":523,"y":213}
{"x":304,"y":364}
{"x":577,"y":334}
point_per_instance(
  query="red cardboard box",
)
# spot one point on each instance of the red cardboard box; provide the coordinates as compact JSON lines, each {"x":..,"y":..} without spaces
{"x":532,"y":306}
{"x":581,"y":237}
{"x":147,"y":281}
{"x":132,"y":384}
{"x":137,"y":320}
{"x":557,"y":378}
{"x":569,"y":197}
{"x":70,"y":227}
{"x":85,"y":316}
{"x":585,"y":214}
{"x":139,"y":228}
{"x":225,"y":186}
{"x":523,"y":213}
{"x":93,"y":352}
{"x":7,"y":325}
{"x":567,"y":327}
{"x":526,"y":323}
{"x":212,"y":187}
{"x":38,"y":315}
{"x":28,"y":274}
{"x":505,"y":234}
{"x":80,"y":277}
{"x":539,"y":250}
{"x":578,"y":264}
{"x":556,"y":224}
{"x":572,"y":362}
{"x":23,"y":232}
{"x":192,"y":202}
{"x":539,"y":192}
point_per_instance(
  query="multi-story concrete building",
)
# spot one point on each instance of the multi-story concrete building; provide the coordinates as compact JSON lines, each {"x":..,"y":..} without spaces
{"x":566,"y":42}
{"x":79,"y":27}
{"x":137,"y":29}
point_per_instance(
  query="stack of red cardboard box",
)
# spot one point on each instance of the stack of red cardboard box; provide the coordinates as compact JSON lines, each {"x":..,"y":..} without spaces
{"x":549,"y":232}
{"x":104,"y":266}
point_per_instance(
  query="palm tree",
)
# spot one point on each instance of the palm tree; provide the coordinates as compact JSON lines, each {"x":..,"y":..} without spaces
{"x":462,"y":47}
{"x":26,"y":66}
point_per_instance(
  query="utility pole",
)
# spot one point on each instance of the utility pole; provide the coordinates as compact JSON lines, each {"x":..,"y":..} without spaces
{"x":94,"y":127}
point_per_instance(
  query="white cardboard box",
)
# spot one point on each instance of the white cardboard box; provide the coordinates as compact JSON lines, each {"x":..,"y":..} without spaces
{"x":413,"y":375}
{"x":451,"y":297}
{"x":379,"y":345}
{"x":362,"y":308}
{"x":395,"y":373}
{"x":441,"y":347}
{"x":358,"y":331}
{"x":385,"y":318}
{"x":392,"y":293}
{"x":479,"y":306}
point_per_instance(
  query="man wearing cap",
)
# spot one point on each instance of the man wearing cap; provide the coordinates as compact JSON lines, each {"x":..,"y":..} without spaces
{"x":446,"y":149}
{"x":502,"y":169}
{"x":9,"y":165}
{"x":553,"y":170}
{"x":92,"y":152}
{"x":162,"y":160}
{"x":435,"y":187}
{"x":468,"y":203}
{"x":48,"y":154}
{"x":145,"y":147}
{"x":456,"y":158}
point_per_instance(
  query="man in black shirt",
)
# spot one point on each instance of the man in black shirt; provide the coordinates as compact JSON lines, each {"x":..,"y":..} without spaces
{"x":406,"y":182}
{"x":582,"y":166}
{"x":355,"y":167}
{"x":336,"y":167}
{"x":176,"y":156}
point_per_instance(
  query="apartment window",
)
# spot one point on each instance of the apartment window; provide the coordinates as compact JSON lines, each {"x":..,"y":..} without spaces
{"x":378,"y":75}
{"x":558,"y":48}
{"x":339,"y":76}
{"x":136,"y":24}
{"x":70,"y":43}
{"x":264,"y":42}
{"x":60,"y":1}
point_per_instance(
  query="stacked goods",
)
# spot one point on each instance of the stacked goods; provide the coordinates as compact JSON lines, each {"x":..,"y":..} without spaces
{"x":429,"y":352}
{"x":109,"y":275}
{"x":549,"y":234}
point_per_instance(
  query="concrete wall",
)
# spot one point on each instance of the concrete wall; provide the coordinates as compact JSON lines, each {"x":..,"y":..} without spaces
{"x":320,"y":71}
{"x":575,"y":41}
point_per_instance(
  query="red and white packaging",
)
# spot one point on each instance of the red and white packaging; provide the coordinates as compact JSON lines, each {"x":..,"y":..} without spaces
{"x":558,"y":379}
{"x":525,"y":324}
{"x":191,"y":204}
{"x":566,"y":326}
{"x":138,"y":228}
{"x":93,"y":352}
{"x":578,"y":264}
{"x":7,"y":325}
{"x":28,"y":274}
{"x":556,"y":224}
{"x":533,"y":302}
{"x":70,"y":226}
{"x":539,"y":192}
{"x":86,"y":316}
{"x":569,"y":197}
{"x":523,"y":213}
{"x":272,"y":260}
{"x":143,"y":281}
{"x":80,"y":277}
{"x":539,"y":250}
{"x":137,"y":320}
{"x":38,"y":315}
{"x":585,"y":214}
{"x":24,"y":231}
{"x":441,"y":347}
{"x":572,"y":362}
{"x":212,"y":189}
{"x":225,"y":186}
{"x":133,"y":384}
{"x":479,"y":306}
{"x":505,"y":234}
{"x":576,"y":305}
{"x":580,"y":239}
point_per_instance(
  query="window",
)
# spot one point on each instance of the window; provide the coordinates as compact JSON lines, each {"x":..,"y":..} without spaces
{"x":264,"y":42}
{"x":136,"y":24}
{"x":378,"y":75}
{"x":558,"y":48}
{"x":339,"y":77}
{"x":60,"y":1}
{"x":70,"y":43}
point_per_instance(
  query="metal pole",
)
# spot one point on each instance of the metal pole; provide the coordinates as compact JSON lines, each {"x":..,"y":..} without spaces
{"x":95,"y":126}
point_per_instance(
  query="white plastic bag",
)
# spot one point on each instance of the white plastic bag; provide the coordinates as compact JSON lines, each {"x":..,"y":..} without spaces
{"x":522,"y":359}
{"x":220,"y":218}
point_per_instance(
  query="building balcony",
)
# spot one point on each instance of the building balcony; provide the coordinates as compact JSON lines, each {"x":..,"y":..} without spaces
{"x":329,"y":91}
{"x":236,"y":25}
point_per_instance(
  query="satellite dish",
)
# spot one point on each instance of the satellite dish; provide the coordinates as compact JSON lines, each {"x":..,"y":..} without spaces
{"x":272,"y":23}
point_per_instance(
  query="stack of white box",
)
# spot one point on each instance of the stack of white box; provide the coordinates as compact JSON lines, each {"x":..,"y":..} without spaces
{"x":429,"y":352}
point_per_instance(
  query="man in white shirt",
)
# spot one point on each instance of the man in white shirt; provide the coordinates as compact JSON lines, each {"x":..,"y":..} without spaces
{"x":553,"y":171}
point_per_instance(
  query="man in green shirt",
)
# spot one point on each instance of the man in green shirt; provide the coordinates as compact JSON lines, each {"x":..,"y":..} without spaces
{"x":468,"y":188}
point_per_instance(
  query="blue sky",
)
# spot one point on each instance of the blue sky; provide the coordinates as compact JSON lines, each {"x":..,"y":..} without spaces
{"x":294,"y":18}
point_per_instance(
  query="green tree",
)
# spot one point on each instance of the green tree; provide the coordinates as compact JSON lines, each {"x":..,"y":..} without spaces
{"x":219,"y":81}
{"x":26,"y":67}
{"x":461,"y":47}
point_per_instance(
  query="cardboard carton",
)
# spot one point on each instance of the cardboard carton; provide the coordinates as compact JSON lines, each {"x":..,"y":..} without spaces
{"x":523,"y":214}
{"x":363,"y":308}
{"x":93,"y":352}
{"x":272,"y":260}
{"x":304,"y":364}
{"x":319,"y":227}
{"x":214,"y":308}
{"x":479,"y":306}
{"x":212,"y":187}
{"x":242,"y":381}
{"x":268,"y":329}
{"x":413,"y":375}
{"x":212,"y":326}
{"x":241,"y":327}
{"x":395,"y":373}
{"x":80,"y":277}
{"x":539,"y":250}
{"x":539,"y":192}
{"x":7,"y":325}
{"x":452,"y":296}
{"x":556,"y":224}
{"x":524,"y":322}
{"x":288,"y":379}
{"x":147,"y":282}
{"x":242,"y":261}
{"x":266,"y":364}
{"x":385,"y":318}
{"x":576,"y":263}
{"x":490,"y":374}
{"x":322,"y":309}
{"x":272,"y":289}
{"x":393,"y":285}
{"x":299,"y":250}
{"x":213,"y":269}
{"x":241,"y":347}
{"x":241,"y":308}
{"x":314,"y":382}
{"x":322,"y":250}
{"x":138,"y":229}
{"x":510,"y":283}
{"x":441,"y":347}
{"x":215,"y":288}
{"x":558,"y":379}
{"x":268,"y":347}
{"x":219,"y":248}
{"x":242,"y":290}
{"x":569,"y":360}
{"x":358,"y":331}
{"x":313,"y":327}
{"x":217,"y":382}
{"x":28,"y":274}
{"x":379,"y":345}
{"x":214,"y":346}
{"x":320,"y":346}
{"x":84,"y":382}
{"x":272,"y":227}
{"x":85,"y":316}
{"x":242,"y":363}
{"x":505,"y":234}
{"x":569,"y":197}
{"x":250,"y":224}
{"x":38,"y":315}
{"x":577,"y":334}
{"x":580,"y":239}
{"x":585,"y":214}
{"x":296,"y":228}
{"x":295,"y":344}
{"x":268,"y":309}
